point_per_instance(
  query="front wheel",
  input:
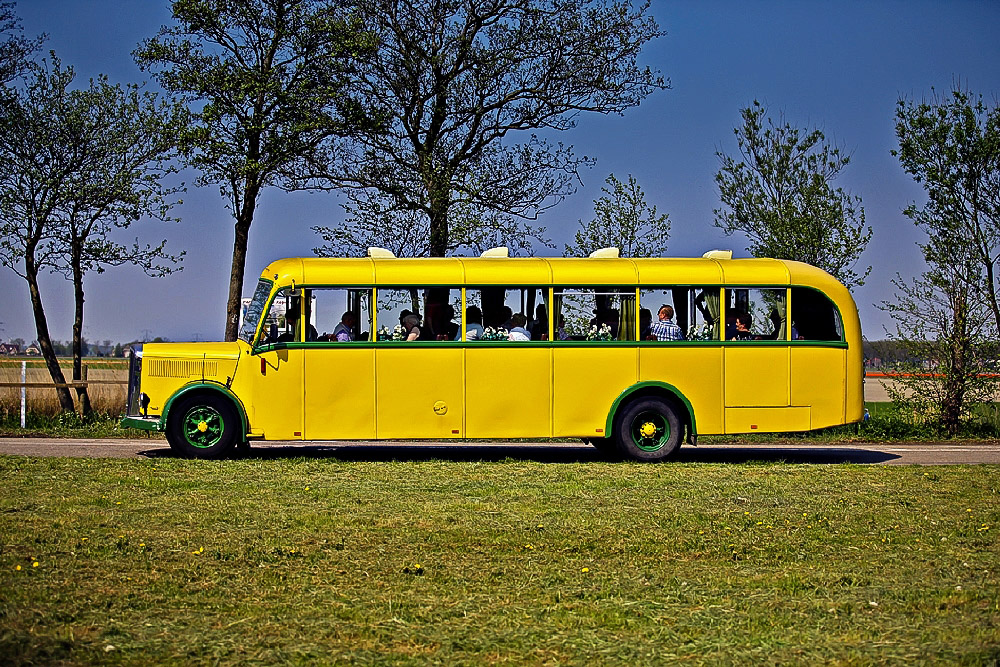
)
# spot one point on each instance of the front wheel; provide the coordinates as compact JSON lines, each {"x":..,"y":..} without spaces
{"x":203,"y":427}
{"x":648,"y":429}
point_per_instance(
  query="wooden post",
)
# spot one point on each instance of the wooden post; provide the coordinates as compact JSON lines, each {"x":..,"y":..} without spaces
{"x":24,"y":390}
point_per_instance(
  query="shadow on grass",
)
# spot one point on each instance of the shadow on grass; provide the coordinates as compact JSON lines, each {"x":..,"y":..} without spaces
{"x":544,"y":453}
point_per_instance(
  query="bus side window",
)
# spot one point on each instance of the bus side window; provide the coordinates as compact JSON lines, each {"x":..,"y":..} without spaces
{"x":814,"y":317}
{"x":756,"y":314}
{"x":595,"y":314}
{"x":417,"y":314}
{"x":492,"y":312}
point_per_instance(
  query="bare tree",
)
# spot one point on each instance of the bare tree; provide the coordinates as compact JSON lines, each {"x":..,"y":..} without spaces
{"x":81,"y":163}
{"x":15,"y":48}
{"x":456,"y":82}
{"x":266,"y":80}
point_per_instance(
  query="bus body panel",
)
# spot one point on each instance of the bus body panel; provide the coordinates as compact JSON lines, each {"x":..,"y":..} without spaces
{"x":696,"y":372}
{"x":764,"y":420}
{"x":586,"y":381}
{"x":819,"y":379}
{"x":276,"y":406}
{"x":508,"y":392}
{"x":756,"y":376}
{"x":528,"y":271}
{"x":339,"y":393}
{"x":419,"y":391}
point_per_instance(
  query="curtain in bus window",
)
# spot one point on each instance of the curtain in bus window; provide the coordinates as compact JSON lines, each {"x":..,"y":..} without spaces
{"x":626,"y":326}
{"x":710,"y":296}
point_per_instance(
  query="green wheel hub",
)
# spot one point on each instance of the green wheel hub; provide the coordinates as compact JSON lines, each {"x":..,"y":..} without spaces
{"x":203,"y":426}
{"x":650,"y":431}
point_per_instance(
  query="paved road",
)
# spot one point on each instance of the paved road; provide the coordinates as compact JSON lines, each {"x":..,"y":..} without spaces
{"x":896,"y":453}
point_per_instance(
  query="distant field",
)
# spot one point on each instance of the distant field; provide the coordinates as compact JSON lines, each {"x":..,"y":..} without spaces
{"x":320,"y":561}
{"x":108,"y":398}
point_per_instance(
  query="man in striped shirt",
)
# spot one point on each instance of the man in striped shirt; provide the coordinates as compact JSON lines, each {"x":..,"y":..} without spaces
{"x":665,"y":329}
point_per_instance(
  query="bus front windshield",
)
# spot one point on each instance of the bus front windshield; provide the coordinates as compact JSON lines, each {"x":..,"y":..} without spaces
{"x":252,"y":311}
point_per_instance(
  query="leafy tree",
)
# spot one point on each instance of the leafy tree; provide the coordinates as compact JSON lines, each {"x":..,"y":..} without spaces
{"x":623,"y":219}
{"x":15,"y":48}
{"x":81,"y":164}
{"x":951,"y":146}
{"x":267,"y":82}
{"x":456,"y":80}
{"x":778,"y":193}
{"x":945,"y":327}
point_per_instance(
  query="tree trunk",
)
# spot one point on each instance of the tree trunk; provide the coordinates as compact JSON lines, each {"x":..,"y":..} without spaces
{"x":81,"y":392}
{"x":42,"y":332}
{"x":954,"y":383}
{"x":233,"y":305}
{"x":991,"y":289}
{"x":440,"y":195}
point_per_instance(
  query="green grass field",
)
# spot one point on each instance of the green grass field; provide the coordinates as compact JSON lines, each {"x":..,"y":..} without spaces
{"x":304,"y":561}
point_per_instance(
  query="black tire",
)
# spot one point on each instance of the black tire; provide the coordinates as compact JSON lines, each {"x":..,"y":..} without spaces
{"x":203,"y":426}
{"x":648,"y":429}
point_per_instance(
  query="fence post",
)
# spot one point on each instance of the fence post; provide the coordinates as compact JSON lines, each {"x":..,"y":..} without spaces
{"x":24,"y":390}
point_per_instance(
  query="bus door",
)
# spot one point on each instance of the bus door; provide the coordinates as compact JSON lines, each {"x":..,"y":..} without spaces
{"x":818,"y":357}
{"x":757,"y":363}
{"x":339,"y":361}
{"x":419,"y":384}
{"x":275,"y":409}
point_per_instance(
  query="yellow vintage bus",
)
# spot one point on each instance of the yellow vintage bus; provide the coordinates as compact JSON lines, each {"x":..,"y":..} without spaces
{"x":632,"y":355}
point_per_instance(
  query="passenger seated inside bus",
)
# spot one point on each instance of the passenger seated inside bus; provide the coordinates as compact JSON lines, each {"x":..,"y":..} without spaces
{"x":645,"y":321}
{"x":540,"y":326}
{"x":473,"y":323}
{"x":517,"y":331}
{"x":292,"y":320}
{"x":411,"y":325}
{"x":664,"y":328}
{"x":344,"y":331}
{"x":741,"y":327}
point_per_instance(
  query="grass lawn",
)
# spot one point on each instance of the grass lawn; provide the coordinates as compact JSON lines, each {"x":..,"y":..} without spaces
{"x":301,"y":561}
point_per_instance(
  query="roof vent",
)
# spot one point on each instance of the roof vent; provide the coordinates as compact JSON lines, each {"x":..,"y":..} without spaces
{"x":380,"y":253}
{"x":605,"y":253}
{"x":502,"y":251}
{"x":718,"y":254}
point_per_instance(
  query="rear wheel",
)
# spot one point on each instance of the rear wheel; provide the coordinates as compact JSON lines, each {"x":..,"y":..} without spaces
{"x":203,"y":426}
{"x":648,"y":429}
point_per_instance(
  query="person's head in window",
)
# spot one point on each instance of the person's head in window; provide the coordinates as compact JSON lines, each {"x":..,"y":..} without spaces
{"x":517,"y":331}
{"x":666,"y":313}
{"x":411,"y":326}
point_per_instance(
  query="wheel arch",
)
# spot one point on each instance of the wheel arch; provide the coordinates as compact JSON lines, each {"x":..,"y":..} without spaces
{"x":654,"y":389}
{"x":207,"y":388}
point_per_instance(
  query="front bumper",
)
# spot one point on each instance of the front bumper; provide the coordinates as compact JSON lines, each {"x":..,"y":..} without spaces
{"x":143,"y":423}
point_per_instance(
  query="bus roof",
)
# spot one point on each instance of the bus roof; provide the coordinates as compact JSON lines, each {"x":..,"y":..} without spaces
{"x":540,"y":271}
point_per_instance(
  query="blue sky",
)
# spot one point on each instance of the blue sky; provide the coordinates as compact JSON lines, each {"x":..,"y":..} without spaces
{"x":839,"y":66}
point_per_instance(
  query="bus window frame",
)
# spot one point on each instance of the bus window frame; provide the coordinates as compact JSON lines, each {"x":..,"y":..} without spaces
{"x":258,"y":348}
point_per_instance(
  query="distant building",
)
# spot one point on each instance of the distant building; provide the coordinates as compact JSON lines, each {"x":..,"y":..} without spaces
{"x":9,"y":349}
{"x":33,"y":350}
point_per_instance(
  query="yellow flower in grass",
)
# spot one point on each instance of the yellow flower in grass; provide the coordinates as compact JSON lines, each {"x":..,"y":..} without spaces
{"x":585,"y":570}
{"x":34,"y":564}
